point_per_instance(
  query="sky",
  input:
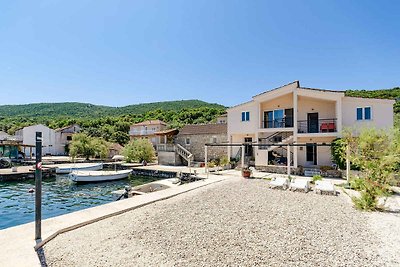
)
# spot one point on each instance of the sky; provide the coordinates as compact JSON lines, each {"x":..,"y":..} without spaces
{"x":118,"y":53}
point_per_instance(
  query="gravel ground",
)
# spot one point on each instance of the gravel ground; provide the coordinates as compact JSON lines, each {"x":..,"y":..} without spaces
{"x":237,"y":222}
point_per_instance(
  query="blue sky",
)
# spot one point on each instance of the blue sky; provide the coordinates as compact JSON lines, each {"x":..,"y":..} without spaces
{"x":124,"y":52}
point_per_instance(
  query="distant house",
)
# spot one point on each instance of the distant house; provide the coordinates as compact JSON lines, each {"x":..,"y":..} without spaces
{"x":3,"y":135}
{"x":223,"y":119}
{"x":149,"y":130}
{"x":114,"y":149}
{"x":194,"y":137}
{"x":28,"y":137}
{"x":63,"y":136}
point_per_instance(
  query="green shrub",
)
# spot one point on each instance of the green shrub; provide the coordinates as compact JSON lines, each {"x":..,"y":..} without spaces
{"x":357,"y":184}
{"x":316,"y":178}
{"x":139,"y":150}
{"x":370,"y":191}
{"x":365,"y":202}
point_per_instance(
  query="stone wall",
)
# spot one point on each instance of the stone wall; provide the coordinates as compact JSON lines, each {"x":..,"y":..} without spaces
{"x":168,"y":158}
{"x":197,"y":142}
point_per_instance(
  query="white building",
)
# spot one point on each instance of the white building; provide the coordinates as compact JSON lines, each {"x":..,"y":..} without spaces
{"x":292,"y":114}
{"x":28,"y":137}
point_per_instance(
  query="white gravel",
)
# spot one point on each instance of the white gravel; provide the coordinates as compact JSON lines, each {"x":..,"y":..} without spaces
{"x":233,"y":223}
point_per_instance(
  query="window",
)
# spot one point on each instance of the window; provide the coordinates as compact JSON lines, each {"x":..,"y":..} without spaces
{"x":245,"y":116}
{"x":367,"y":113}
{"x":359,"y":114}
{"x":364,"y":113}
{"x":187,"y":141}
{"x":69,"y":138}
{"x":213,"y":140}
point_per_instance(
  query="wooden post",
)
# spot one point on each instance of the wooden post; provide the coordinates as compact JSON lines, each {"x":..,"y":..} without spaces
{"x":288,"y":159}
{"x":348,"y":163}
{"x":243,"y":156}
{"x":38,"y":187}
{"x":205,"y":159}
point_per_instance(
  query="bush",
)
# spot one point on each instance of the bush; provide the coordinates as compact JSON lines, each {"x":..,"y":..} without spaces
{"x":139,"y":150}
{"x":316,"y":178}
{"x":357,"y":184}
{"x":366,"y":202}
{"x":86,"y":146}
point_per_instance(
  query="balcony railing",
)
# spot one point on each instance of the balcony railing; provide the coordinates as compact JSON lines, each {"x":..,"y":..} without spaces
{"x":317,"y":126}
{"x":278,"y":123}
{"x":166,"y":147}
{"x":141,"y":132}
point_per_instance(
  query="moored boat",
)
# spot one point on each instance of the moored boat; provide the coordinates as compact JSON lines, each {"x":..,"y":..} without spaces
{"x":98,"y":176}
{"x":68,"y":168}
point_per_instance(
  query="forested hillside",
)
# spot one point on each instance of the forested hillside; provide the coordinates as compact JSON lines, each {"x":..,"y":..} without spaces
{"x":79,"y":110}
{"x":108,"y":122}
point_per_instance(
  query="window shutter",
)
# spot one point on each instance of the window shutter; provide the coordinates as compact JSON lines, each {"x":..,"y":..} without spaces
{"x":359,"y":114}
{"x":367,"y":113}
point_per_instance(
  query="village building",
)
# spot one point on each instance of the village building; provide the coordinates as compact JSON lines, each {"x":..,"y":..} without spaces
{"x":151,"y":130}
{"x":63,"y":137}
{"x":302,"y":121}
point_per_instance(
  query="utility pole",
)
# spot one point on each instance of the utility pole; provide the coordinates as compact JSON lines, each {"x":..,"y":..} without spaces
{"x":38,"y":187}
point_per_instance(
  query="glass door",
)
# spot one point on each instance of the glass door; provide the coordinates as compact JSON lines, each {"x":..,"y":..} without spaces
{"x":278,"y":118}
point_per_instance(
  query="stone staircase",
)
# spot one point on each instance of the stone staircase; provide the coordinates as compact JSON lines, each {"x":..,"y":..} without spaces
{"x":184,"y":153}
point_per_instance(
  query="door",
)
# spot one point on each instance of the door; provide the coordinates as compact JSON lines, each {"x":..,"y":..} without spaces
{"x":279,"y":118}
{"x":289,"y":117}
{"x":311,"y":153}
{"x":312,"y":122}
{"x":268,"y":119}
{"x":248,"y":148}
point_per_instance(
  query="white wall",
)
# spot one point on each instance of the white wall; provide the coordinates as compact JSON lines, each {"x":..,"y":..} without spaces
{"x":381,"y":111}
{"x":235,"y":123}
{"x":48,"y":138}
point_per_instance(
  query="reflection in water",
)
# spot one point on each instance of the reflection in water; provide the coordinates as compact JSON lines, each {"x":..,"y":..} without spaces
{"x":60,"y":196}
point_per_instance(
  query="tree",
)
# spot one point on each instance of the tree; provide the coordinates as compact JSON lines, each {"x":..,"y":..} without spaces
{"x":86,"y":146}
{"x":139,"y":150}
{"x":377,"y":154}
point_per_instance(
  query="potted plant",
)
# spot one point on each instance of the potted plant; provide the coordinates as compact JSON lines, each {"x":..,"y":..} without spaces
{"x":246,"y":172}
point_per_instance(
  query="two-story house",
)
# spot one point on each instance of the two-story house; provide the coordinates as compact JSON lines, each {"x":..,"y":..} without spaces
{"x":309,"y":119}
{"x":63,"y":137}
{"x":149,"y":130}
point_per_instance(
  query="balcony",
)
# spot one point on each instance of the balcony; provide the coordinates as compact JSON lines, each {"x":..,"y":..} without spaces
{"x":317,"y":126}
{"x":141,"y":132}
{"x":277,"y":123}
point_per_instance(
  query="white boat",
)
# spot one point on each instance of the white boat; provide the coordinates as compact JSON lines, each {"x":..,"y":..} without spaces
{"x":68,"y":168}
{"x":98,"y":176}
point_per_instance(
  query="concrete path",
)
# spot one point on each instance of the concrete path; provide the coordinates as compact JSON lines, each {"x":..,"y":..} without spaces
{"x":17,"y":243}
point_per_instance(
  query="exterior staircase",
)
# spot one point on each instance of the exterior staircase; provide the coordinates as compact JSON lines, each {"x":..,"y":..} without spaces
{"x":184,"y":153}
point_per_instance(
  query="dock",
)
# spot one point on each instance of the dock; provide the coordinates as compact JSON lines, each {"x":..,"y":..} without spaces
{"x":24,"y":172}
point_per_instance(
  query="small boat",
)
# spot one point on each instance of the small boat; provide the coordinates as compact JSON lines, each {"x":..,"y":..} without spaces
{"x":68,"y":168}
{"x":98,"y":176}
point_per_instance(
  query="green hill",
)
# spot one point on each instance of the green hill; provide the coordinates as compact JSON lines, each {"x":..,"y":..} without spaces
{"x":84,"y":110}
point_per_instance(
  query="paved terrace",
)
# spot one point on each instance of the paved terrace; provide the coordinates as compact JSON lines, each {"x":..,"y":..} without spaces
{"x":236,"y":222}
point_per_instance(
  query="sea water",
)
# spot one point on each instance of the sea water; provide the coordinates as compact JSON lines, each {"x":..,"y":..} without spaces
{"x":59,"y":196}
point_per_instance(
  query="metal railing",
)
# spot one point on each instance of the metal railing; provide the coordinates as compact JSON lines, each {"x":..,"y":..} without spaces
{"x":278,"y":137}
{"x":278,"y":123}
{"x":320,"y":126}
